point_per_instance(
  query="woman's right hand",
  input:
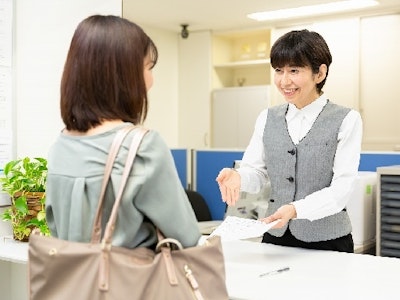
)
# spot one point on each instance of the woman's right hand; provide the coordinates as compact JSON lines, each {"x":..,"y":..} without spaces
{"x":229,"y":185}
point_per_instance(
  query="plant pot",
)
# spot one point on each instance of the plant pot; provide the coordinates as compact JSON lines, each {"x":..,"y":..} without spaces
{"x":34,"y":206}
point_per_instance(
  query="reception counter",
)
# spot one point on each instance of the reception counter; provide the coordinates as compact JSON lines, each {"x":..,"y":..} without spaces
{"x":308,"y":274}
{"x":311,"y":274}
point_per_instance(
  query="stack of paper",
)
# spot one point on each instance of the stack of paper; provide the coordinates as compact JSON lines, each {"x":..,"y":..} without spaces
{"x":236,"y":228}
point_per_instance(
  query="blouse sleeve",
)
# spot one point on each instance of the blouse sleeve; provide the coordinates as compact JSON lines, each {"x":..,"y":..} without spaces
{"x":162,"y":198}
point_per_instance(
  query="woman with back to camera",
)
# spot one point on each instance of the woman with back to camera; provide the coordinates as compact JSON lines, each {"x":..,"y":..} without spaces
{"x":309,"y":149}
{"x":107,"y":74}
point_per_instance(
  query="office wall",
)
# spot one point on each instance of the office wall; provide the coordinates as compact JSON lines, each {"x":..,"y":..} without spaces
{"x":163,"y":114}
{"x":380,"y":105}
{"x":43,"y":30}
{"x":194,"y":90}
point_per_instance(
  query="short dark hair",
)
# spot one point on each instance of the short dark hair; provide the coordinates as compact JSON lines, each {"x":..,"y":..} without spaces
{"x":103,"y":73}
{"x":301,"y":48}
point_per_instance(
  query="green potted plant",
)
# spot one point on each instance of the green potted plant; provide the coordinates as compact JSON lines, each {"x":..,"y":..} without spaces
{"x":25,"y":181}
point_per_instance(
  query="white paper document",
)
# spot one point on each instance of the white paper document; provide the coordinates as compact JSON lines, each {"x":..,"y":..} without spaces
{"x":236,"y":228}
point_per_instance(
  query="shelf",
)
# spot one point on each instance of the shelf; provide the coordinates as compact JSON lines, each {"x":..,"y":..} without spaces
{"x":241,"y":58}
{"x":244,"y":64}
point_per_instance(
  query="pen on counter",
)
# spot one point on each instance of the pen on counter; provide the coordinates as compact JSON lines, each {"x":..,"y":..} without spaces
{"x":274,"y":272}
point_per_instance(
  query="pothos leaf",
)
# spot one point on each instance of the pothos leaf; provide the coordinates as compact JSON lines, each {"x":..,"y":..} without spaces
{"x":20,"y":205}
{"x":41,"y":215}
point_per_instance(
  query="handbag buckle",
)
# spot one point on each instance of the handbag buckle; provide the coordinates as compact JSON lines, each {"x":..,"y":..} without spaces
{"x":170,"y":243}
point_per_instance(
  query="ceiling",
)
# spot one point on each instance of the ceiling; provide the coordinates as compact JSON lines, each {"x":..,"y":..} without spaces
{"x":217,"y":15}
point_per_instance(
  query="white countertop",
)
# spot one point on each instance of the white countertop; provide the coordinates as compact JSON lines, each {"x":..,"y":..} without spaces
{"x":13,"y":251}
{"x":312,"y":274}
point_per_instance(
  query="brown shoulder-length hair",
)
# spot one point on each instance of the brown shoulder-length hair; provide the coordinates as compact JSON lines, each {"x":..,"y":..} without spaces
{"x":103,"y":73}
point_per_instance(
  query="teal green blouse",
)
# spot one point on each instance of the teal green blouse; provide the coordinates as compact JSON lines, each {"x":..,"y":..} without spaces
{"x":153,"y":195}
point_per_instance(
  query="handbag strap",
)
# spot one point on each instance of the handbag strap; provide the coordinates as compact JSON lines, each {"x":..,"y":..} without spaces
{"x":136,"y":140}
{"x":116,"y":144}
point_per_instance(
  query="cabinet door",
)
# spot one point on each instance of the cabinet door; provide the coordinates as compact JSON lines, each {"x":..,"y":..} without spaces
{"x":250,"y":103}
{"x":234,"y":114}
{"x":224,"y":118}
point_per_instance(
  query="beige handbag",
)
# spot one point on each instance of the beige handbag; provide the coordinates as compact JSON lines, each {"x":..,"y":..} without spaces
{"x":65,"y":270}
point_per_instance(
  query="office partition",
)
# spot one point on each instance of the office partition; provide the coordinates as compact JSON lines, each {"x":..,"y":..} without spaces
{"x":370,"y":161}
{"x":181,"y":157}
{"x":206,"y":166}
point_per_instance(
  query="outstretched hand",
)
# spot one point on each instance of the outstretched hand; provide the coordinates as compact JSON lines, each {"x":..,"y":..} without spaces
{"x":229,"y":185}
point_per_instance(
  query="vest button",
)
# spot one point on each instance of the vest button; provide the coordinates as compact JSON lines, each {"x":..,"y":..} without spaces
{"x":293,"y":151}
{"x":291,"y":179}
{"x":271,"y":200}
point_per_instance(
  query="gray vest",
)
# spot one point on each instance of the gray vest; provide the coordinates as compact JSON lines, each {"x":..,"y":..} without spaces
{"x":297,"y":171}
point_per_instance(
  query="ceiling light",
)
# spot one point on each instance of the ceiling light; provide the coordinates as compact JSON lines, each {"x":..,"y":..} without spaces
{"x":309,"y":10}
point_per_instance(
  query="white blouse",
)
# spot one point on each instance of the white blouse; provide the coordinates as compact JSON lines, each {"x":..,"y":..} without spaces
{"x":329,"y":200}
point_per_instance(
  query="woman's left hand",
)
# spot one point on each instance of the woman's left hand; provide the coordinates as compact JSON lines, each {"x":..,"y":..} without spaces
{"x":283,"y":214}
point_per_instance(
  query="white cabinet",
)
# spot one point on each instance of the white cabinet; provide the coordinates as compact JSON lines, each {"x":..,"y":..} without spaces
{"x":241,"y":78}
{"x":362,"y":212}
{"x":234,"y":112}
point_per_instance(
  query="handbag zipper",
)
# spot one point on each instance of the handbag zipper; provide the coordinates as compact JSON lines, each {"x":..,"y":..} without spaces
{"x":193,"y":282}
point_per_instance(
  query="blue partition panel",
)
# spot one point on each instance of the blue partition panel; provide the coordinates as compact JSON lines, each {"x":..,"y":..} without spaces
{"x":208,"y":163}
{"x":180,"y":158}
{"x":369,"y":161}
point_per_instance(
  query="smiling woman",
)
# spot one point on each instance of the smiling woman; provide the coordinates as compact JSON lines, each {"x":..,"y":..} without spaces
{"x":308,"y":149}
